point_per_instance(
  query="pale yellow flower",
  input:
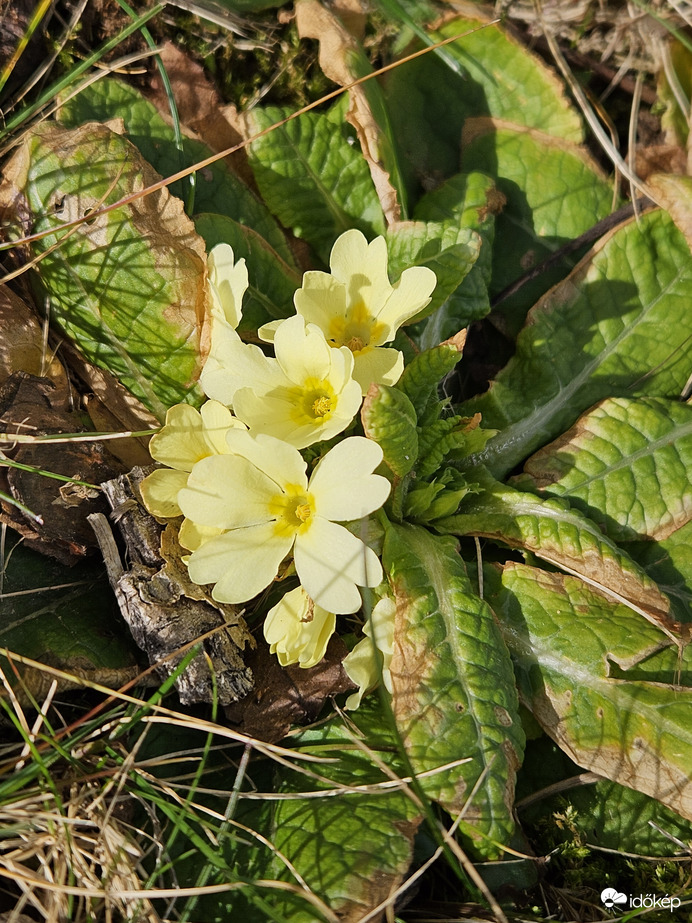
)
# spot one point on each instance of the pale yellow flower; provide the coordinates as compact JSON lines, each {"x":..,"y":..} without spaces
{"x":370,"y":660}
{"x":297,"y":630}
{"x":356,"y":306}
{"x":261,"y":498}
{"x":188,"y":436}
{"x":304,"y":395}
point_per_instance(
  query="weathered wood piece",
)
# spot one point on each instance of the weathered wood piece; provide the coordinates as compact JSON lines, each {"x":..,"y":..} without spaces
{"x":165,"y":612}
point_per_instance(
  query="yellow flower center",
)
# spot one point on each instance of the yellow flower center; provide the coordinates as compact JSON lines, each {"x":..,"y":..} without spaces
{"x":322,"y":406}
{"x":292,"y":510}
{"x":358,"y":330}
{"x":314,"y":402}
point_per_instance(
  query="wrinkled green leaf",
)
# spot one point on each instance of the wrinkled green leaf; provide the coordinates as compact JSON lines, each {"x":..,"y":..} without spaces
{"x":312,"y":178}
{"x":567,"y":641}
{"x":389,"y":418}
{"x":449,"y":250}
{"x":428,"y":102}
{"x":445,"y":643}
{"x":271,"y":282}
{"x":561,"y":536}
{"x":554,"y":192}
{"x":127,"y":286}
{"x":626,"y":464}
{"x":217,"y":188}
{"x":65,"y":617}
{"x":619,"y":324}
{"x":471,"y":200}
{"x":424,"y":372}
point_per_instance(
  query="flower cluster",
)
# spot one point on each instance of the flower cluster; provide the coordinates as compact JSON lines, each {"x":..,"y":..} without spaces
{"x":234,"y":470}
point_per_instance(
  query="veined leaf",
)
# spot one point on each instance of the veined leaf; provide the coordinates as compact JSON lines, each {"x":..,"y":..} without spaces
{"x":453,"y":690}
{"x":449,"y":250}
{"x":127,"y":286}
{"x":425,"y":371}
{"x":626,"y":463}
{"x":471,"y":200}
{"x":314,"y":181}
{"x":495,"y":75}
{"x":271,"y":282}
{"x":217,"y":188}
{"x":389,"y":418}
{"x":355,"y":848}
{"x":567,"y":642}
{"x":618,"y":324}
{"x":554,"y":192}
{"x":562,"y":536}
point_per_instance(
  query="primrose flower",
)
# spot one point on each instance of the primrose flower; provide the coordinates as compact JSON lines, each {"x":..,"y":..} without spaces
{"x":260,"y":496}
{"x":227,"y":283}
{"x":305,"y":395}
{"x":297,"y":630}
{"x":370,"y":660}
{"x":357,"y":307}
{"x":188,"y":436}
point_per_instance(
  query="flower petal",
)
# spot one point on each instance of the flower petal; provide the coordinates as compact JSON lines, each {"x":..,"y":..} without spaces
{"x":240,"y":563}
{"x":232,"y":364}
{"x":382,"y":366}
{"x":227,"y":492}
{"x":192,"y":536}
{"x":301,"y":351}
{"x":160,"y":491}
{"x":343,"y":484}
{"x":278,"y":460}
{"x":362,"y":267}
{"x":410,"y":295}
{"x":181,"y":442}
{"x":298,"y":631}
{"x":320,"y":300}
{"x":217,"y":419}
{"x":330,"y":562}
{"x":228,"y":282}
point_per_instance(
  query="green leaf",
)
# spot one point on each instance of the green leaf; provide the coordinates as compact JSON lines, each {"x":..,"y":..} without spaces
{"x":389,"y":418}
{"x":603,"y":814}
{"x":453,"y":690}
{"x":217,"y":189}
{"x":272,"y":282}
{"x":471,"y":200}
{"x":669,"y":563}
{"x":496,"y":75}
{"x":561,"y":536}
{"x":626,"y":463}
{"x":424,"y":372}
{"x":127,"y":286}
{"x":674,"y":120}
{"x":567,"y":643}
{"x":312,"y":178}
{"x":619,"y":324}
{"x":65,"y":617}
{"x":554,"y":192}
{"x":449,"y":250}
{"x":354,"y":848}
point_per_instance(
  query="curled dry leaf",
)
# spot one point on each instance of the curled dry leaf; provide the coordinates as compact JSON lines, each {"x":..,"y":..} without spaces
{"x":338,"y":60}
{"x":21,"y":343}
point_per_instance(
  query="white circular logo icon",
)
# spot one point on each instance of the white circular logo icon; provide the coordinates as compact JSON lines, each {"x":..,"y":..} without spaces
{"x":610,"y":897}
